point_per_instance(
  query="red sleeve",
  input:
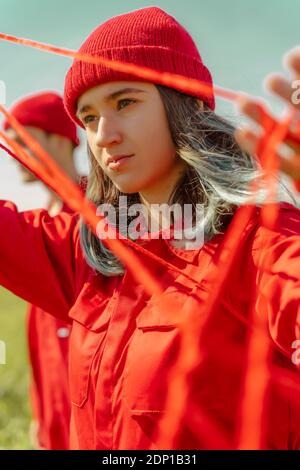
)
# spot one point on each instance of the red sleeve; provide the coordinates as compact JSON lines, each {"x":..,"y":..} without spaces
{"x":279,"y":286}
{"x":38,"y":257}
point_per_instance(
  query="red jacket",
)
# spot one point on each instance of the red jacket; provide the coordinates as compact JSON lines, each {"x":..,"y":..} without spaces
{"x":122,"y":344}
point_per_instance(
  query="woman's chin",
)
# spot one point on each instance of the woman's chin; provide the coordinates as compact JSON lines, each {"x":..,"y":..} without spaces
{"x":127,"y":187}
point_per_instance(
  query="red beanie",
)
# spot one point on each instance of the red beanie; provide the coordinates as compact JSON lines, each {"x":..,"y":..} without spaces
{"x":148,"y":37}
{"x":45,"y":111}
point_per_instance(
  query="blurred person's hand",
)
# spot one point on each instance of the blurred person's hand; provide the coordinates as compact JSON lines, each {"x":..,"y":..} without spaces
{"x":289,"y":92}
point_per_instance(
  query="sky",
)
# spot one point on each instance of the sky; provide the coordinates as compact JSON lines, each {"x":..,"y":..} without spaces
{"x":240,"y":41}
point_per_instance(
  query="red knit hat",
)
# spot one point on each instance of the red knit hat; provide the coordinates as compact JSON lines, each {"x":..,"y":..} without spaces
{"x":148,"y":37}
{"x":45,"y":111}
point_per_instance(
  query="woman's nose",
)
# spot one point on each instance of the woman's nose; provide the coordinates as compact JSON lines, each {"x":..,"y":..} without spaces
{"x":107,"y":133}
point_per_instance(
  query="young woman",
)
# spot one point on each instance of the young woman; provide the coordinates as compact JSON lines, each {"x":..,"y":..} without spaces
{"x":155,"y":145}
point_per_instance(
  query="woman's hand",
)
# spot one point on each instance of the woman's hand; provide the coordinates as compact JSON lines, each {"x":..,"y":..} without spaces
{"x":289,"y":92}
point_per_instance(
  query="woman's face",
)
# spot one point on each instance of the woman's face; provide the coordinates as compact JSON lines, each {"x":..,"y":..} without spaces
{"x":129,"y":119}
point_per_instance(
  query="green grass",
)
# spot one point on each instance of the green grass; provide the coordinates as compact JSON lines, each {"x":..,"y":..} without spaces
{"x":14,"y":375}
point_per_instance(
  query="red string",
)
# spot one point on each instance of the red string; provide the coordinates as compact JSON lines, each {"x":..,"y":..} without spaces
{"x":52,"y":175}
{"x":189,"y":85}
{"x":274,"y":134}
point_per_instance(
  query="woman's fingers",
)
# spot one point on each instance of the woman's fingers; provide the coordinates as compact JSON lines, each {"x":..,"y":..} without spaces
{"x":292,"y":61}
{"x":259,"y":115}
{"x":291,"y":166}
{"x":284,"y":89}
{"x":256,"y":112}
{"x":289,"y":91}
{"x":247,"y":140}
{"x":251,"y":109}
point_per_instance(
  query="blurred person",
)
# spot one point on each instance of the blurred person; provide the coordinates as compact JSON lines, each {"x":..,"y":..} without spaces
{"x":45,"y":118}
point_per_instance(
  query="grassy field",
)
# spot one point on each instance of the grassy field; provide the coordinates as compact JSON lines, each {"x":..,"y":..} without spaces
{"x":14,"y":403}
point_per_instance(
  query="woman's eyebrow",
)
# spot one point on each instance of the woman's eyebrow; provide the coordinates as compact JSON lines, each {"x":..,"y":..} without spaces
{"x":111,"y":97}
{"x":122,"y":91}
{"x":83,"y":109}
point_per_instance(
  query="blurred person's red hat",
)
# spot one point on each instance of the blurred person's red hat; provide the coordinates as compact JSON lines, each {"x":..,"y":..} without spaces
{"x":44,"y":110}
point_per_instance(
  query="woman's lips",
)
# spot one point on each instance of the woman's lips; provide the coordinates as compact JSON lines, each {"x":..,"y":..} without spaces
{"x":118,"y":162}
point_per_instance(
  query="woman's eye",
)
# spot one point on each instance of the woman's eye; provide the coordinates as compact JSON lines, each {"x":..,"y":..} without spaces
{"x":88,"y":119}
{"x":123,"y":103}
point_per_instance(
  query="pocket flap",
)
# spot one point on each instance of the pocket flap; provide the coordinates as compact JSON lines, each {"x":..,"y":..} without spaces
{"x":168,"y":310}
{"x":91,"y":308}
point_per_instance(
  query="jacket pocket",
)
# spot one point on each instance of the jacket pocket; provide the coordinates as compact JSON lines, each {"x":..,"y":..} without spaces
{"x":153,"y":351}
{"x":91,"y":315}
